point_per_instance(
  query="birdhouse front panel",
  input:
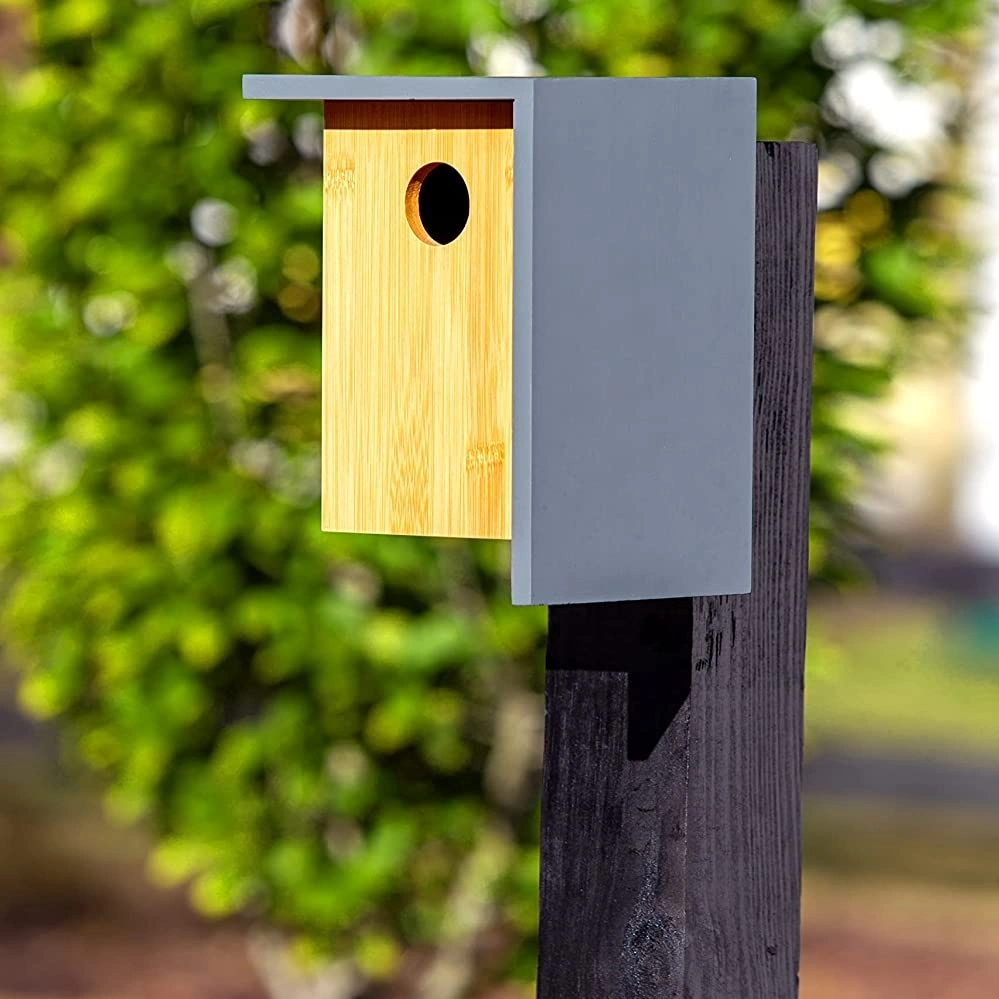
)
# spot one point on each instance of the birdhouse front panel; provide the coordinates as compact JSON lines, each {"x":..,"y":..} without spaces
{"x":417,"y":320}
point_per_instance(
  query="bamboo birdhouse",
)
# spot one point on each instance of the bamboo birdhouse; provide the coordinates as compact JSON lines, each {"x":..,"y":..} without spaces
{"x":538,"y":323}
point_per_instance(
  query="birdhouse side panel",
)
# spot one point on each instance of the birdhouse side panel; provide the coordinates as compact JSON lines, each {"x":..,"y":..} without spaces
{"x":417,"y":323}
{"x":641,"y":345}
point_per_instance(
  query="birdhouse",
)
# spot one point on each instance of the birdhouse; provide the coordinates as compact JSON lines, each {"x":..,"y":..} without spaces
{"x":538,"y":316}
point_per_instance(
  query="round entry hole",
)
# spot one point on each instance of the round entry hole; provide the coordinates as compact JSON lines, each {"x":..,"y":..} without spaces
{"x":437,"y":203}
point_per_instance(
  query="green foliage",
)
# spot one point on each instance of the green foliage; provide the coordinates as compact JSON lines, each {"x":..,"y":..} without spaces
{"x":305,"y":719}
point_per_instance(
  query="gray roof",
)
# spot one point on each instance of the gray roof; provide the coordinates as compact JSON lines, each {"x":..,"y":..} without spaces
{"x":333,"y":87}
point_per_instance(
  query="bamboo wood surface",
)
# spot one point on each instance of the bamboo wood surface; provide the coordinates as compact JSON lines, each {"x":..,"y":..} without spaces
{"x":417,"y":337}
{"x":670,"y":840}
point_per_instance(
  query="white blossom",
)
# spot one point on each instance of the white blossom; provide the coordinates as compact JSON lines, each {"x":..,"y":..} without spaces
{"x":298,"y":28}
{"x":213,"y":221}
{"x":13,"y":442}
{"x":235,"y":286}
{"x":502,"y":55}
{"x":256,"y":458}
{"x":308,"y":136}
{"x":850,"y":38}
{"x":267,"y":142}
{"x":523,"y":11}
{"x":342,"y":45}
{"x":57,"y":469}
{"x":188,"y":260}
{"x":346,"y":764}
{"x":844,"y":39}
{"x":839,"y":175}
{"x":105,"y":315}
{"x":895,"y":174}
{"x":887,"y":111}
{"x":299,"y":480}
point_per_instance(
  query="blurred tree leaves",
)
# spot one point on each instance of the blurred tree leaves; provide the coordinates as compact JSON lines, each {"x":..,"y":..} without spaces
{"x":305,"y":719}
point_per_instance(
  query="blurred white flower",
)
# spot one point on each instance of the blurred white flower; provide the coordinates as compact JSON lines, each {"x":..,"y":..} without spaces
{"x":347,"y":764}
{"x":308,"y":136}
{"x":213,"y":221}
{"x":267,"y":142}
{"x":13,"y":441}
{"x":844,"y":39}
{"x":562,"y":29}
{"x":523,"y":11}
{"x":298,"y":481}
{"x":895,"y":174}
{"x":502,"y":55}
{"x":27,"y":410}
{"x":356,"y":582}
{"x":819,"y":9}
{"x":256,"y":458}
{"x":885,"y":39}
{"x":839,"y":175}
{"x":105,"y":315}
{"x":235,"y":286}
{"x":342,"y":44}
{"x":187,"y":259}
{"x":887,"y":111}
{"x":850,"y":38}
{"x":57,"y":469}
{"x":297,"y":28}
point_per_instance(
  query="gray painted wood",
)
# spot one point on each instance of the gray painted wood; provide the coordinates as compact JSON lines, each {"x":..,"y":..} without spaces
{"x":639,"y":425}
{"x":670,"y":851}
{"x":632,"y":326}
{"x":335,"y":87}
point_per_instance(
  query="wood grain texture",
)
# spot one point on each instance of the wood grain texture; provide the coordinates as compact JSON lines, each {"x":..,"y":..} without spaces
{"x":614,"y":800}
{"x":743,"y":805}
{"x":670,"y":866}
{"x":417,"y":338}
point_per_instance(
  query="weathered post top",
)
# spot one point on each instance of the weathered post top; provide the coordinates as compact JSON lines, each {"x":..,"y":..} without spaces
{"x":538,"y":313}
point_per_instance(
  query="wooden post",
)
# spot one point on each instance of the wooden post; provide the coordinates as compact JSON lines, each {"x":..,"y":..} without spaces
{"x":670,"y":840}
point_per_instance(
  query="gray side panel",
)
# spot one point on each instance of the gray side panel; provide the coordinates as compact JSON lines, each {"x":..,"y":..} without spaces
{"x":523,"y":276}
{"x":642,"y":345}
{"x":334,"y":87}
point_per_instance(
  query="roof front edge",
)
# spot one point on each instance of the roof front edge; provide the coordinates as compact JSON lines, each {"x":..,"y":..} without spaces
{"x":333,"y":87}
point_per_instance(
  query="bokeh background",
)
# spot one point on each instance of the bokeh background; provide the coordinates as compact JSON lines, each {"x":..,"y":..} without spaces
{"x":240,"y":758}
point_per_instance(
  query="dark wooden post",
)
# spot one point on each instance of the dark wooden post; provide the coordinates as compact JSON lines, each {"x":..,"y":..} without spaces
{"x":670,"y":840}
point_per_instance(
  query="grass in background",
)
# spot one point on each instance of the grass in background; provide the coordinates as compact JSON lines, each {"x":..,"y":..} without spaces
{"x":892,"y":675}
{"x":872,"y":840}
{"x":901,"y":899}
